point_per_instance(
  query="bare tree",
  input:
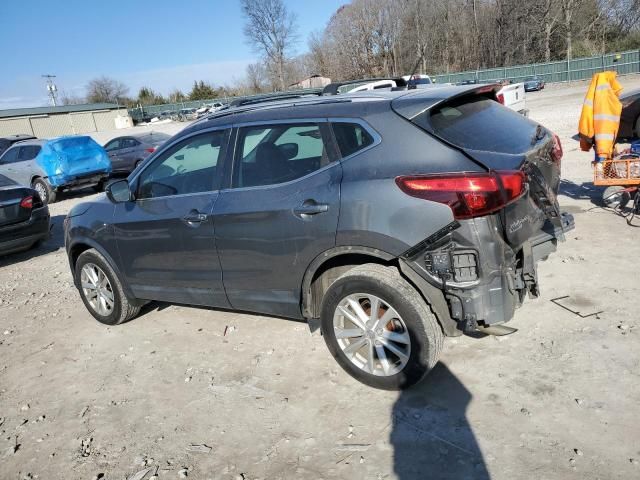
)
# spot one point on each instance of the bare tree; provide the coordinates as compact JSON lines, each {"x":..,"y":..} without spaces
{"x":106,"y":90}
{"x":271,"y":30}
{"x":70,"y":99}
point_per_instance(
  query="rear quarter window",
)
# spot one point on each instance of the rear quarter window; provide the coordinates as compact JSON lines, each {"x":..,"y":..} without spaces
{"x":351,"y":138}
{"x":480,"y":124}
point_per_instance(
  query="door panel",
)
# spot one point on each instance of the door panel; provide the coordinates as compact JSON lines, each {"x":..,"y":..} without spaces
{"x":166,"y":236}
{"x":268,"y":235}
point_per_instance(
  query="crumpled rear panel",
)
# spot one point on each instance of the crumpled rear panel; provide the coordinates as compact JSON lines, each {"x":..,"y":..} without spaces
{"x":67,"y":158}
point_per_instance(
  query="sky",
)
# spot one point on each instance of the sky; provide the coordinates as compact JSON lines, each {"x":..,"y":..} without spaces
{"x":162,"y":44}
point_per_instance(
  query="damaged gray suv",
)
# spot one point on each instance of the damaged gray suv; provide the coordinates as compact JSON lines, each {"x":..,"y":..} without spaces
{"x":387,"y":220}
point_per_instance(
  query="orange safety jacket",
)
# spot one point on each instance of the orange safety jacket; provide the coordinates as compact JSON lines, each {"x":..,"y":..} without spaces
{"x":600,"y":116}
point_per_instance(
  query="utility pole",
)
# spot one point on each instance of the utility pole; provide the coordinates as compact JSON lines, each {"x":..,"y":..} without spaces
{"x":52,"y":90}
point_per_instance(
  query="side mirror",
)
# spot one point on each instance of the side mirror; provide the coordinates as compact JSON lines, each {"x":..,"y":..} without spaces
{"x":290,"y":150}
{"x":119,"y":192}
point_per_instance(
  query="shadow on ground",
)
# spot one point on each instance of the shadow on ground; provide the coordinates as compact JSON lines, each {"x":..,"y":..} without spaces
{"x":431,"y":436}
{"x":582,"y":191}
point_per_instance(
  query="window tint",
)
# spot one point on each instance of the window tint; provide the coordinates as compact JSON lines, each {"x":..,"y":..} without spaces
{"x":112,"y":145}
{"x":129,"y":143}
{"x":10,"y":156}
{"x":481,"y":124}
{"x":28,"y":152}
{"x":190,"y":166}
{"x":277,"y":154}
{"x":351,"y":138}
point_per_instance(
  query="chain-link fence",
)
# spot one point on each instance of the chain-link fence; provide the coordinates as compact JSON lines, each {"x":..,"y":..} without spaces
{"x":560,"y":71}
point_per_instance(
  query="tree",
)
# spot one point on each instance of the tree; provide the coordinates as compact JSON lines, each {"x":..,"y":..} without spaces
{"x":67,"y":99}
{"x":106,"y":90}
{"x":202,"y":91}
{"x":176,"y":96}
{"x":146,"y":96}
{"x":271,"y":30}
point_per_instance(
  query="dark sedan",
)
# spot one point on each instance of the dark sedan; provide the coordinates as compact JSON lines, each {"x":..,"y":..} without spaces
{"x":533,"y":84}
{"x":24,"y":219}
{"x":630,"y":117}
{"x":126,"y":153}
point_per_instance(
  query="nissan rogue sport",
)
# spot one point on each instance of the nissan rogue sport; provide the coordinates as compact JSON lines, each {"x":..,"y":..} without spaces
{"x":387,"y":219}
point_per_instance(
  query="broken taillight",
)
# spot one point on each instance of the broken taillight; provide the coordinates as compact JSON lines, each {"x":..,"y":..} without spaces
{"x":500,"y":98}
{"x":467,"y":194}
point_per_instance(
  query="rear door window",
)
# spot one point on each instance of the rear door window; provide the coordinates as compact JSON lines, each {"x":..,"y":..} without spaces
{"x":275,"y":154}
{"x":482,"y":124}
{"x":351,"y":137}
{"x":28,"y":152}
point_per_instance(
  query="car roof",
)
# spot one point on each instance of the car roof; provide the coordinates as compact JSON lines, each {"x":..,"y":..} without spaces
{"x":347,"y":103}
{"x":18,"y":137}
{"x":31,"y":141}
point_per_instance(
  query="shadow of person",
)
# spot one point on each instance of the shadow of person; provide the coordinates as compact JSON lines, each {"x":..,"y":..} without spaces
{"x":431,"y":436}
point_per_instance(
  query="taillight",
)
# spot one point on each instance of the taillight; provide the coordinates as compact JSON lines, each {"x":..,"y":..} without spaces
{"x":556,"y":153}
{"x":27,"y":202}
{"x":500,"y":98}
{"x":467,"y":194}
{"x":151,"y":149}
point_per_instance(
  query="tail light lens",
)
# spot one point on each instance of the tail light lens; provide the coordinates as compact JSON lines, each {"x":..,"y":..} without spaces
{"x":467,"y":194}
{"x":151,"y":149}
{"x":556,"y":153}
{"x":27,"y":202}
{"x":500,"y":98}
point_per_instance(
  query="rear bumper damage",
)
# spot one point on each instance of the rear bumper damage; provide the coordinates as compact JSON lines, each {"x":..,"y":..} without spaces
{"x":482,"y":278}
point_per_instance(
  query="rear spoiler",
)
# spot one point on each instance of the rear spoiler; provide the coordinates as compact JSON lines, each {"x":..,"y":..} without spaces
{"x":413,"y":104}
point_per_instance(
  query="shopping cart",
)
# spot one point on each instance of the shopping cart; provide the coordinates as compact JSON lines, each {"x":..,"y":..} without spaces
{"x":621,"y":176}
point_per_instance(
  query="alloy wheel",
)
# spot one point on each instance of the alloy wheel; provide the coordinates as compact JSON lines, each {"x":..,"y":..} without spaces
{"x":42,"y":191}
{"x":371,"y":334}
{"x":97,"y":289}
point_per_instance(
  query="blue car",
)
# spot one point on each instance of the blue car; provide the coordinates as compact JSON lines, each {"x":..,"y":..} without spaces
{"x":533,"y":84}
{"x":57,"y":165}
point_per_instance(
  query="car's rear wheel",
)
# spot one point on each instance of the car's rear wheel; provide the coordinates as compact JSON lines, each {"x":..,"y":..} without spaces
{"x":379,"y":329}
{"x":101,"y":289}
{"x":46,"y":193}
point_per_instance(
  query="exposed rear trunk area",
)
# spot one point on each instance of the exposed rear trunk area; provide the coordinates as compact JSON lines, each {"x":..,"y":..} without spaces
{"x":499,"y":139}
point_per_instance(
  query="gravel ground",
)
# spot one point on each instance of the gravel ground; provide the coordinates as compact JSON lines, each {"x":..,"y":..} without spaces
{"x":170,"y":394}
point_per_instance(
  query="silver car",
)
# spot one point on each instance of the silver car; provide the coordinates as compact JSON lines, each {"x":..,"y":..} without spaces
{"x":128,"y":151}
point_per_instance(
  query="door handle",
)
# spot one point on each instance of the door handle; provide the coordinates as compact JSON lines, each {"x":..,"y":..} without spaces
{"x":310,"y":207}
{"x":195,"y":217}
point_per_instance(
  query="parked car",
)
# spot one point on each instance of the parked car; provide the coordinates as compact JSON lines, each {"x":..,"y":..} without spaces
{"x":630,"y":117}
{"x":418,"y":81}
{"x":469,"y":81}
{"x":24,"y":218}
{"x":388,"y":219}
{"x":513,"y":96}
{"x":533,"y":84}
{"x":6,"y":142}
{"x":127,"y":152}
{"x":363,"y":84}
{"x":57,"y":165}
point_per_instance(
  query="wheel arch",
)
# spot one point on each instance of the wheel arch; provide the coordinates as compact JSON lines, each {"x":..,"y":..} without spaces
{"x":329,"y":265}
{"x":82,"y":245}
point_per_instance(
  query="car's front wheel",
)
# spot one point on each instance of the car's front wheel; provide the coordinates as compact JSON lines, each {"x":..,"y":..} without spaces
{"x":379,"y":329}
{"x":101,"y":289}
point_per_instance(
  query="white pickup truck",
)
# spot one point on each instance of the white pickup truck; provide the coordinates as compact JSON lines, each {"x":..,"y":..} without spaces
{"x":514,"y":97}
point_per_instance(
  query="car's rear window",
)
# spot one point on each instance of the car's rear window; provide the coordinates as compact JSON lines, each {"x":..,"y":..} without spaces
{"x":73,"y":142}
{"x":480,"y":123}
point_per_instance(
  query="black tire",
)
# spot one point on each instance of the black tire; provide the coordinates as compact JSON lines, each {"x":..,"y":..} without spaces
{"x":423,"y":329}
{"x":122,"y":310}
{"x":615,"y":197}
{"x":44,"y":190}
{"x":99,"y":187}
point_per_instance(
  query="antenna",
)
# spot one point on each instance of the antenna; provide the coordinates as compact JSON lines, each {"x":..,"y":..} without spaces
{"x":52,"y":90}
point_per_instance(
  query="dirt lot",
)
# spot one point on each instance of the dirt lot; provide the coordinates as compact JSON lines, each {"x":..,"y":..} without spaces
{"x":559,"y":399}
